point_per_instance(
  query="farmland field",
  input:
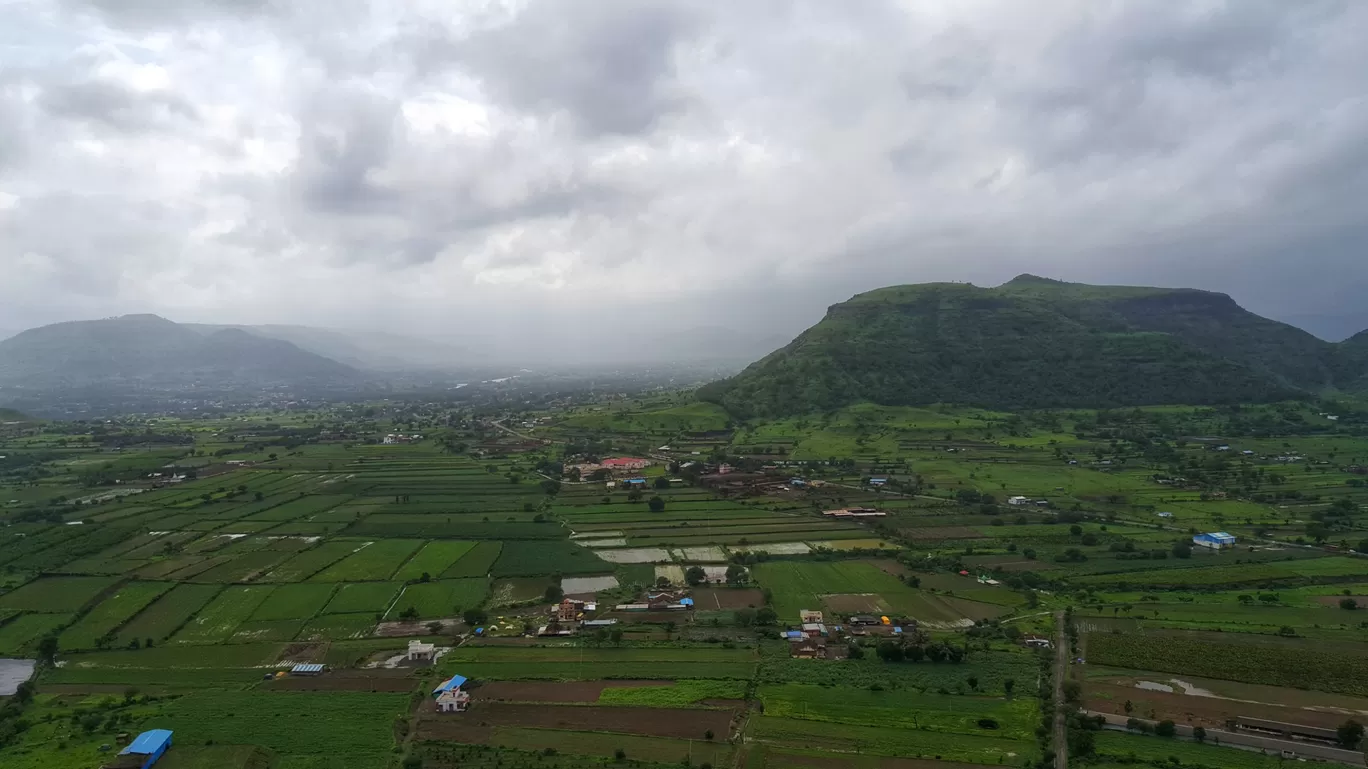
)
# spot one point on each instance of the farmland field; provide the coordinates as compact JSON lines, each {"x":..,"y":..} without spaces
{"x":305,"y":538}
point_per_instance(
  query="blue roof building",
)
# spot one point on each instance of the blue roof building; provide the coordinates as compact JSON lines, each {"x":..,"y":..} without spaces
{"x":451,"y":684}
{"x":1216,"y":540}
{"x":308,"y":669}
{"x":151,"y":744}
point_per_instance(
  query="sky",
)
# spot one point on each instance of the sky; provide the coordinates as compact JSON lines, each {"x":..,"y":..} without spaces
{"x":551,"y":170}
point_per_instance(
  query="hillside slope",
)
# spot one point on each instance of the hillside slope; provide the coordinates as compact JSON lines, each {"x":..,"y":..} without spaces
{"x":147,"y":350}
{"x":1034,"y":343}
{"x":372,"y":350}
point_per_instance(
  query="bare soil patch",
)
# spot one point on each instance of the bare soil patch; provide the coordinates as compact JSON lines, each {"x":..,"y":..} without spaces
{"x":856,"y":603}
{"x":652,"y":722}
{"x":889,"y":566}
{"x":714,"y":598}
{"x":450,"y":625}
{"x":1197,"y":711}
{"x":568,"y":691}
{"x":378,"y":680}
{"x":1334,"y":600}
{"x":941,"y":532}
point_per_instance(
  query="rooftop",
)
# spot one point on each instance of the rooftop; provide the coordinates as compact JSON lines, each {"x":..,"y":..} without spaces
{"x":148,"y":742}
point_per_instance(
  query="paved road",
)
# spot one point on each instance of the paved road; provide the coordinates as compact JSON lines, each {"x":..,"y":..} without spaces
{"x":1061,"y":724}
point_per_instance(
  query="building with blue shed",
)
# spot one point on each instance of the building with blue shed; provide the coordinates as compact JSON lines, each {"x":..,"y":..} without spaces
{"x":450,"y":697}
{"x":146,"y":748}
{"x":1216,"y":540}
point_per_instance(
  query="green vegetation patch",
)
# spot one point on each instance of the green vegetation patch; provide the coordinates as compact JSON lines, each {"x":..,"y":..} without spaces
{"x":101,"y":621}
{"x":56,"y":595}
{"x":444,"y":598}
{"x":1295,"y":664}
{"x":433,"y":559}
{"x":543,"y":558}
{"x":369,"y":597}
{"x":230,"y":608}
{"x":371,"y":561}
{"x":679,"y":694}
{"x":288,"y":602}
{"x":19,"y":634}
{"x":168,"y":614}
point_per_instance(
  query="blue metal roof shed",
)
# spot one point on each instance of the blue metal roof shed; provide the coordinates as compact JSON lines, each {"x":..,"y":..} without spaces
{"x":151,"y":743}
{"x":307,"y":669}
{"x":455,"y":682}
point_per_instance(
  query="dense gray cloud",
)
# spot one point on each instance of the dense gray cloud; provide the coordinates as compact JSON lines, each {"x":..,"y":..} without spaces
{"x":523,"y":172}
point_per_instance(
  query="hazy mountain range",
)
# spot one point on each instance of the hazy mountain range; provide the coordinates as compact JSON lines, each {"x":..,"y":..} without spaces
{"x":1035,"y":342}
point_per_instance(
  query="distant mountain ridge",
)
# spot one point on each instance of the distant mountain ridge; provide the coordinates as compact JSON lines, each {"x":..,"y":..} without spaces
{"x":374,"y":350}
{"x":1035,"y":342}
{"x":151,"y":351}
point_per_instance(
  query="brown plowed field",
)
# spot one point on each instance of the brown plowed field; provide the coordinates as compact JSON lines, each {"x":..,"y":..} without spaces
{"x":346,"y":681}
{"x":1197,"y":711}
{"x":714,"y":598}
{"x":570,"y":691}
{"x":652,"y":722}
{"x":941,"y":532}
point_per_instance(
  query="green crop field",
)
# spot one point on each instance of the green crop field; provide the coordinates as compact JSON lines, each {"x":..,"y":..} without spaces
{"x":444,"y":598}
{"x":177,"y":605}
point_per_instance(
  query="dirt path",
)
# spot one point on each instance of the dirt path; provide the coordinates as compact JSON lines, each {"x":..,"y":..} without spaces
{"x":1061,"y":727}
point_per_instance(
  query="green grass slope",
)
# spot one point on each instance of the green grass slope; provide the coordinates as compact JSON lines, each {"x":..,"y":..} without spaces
{"x":1035,"y":343}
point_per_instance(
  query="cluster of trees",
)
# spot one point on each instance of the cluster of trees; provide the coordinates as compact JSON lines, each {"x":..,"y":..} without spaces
{"x":890,"y":650}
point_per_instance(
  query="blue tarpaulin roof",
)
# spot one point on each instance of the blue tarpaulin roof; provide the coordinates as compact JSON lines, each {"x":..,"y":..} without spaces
{"x":148,"y":742}
{"x":794,"y":634}
{"x":454,"y":682}
{"x":307,"y":668}
{"x":686,"y":602}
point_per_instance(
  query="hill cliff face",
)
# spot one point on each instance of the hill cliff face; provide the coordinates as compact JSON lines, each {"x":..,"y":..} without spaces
{"x":1036,"y":343}
{"x":146,"y":350}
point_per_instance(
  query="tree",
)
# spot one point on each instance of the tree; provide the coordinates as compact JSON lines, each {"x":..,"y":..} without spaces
{"x":1182,"y":550}
{"x":1350,"y":734}
{"x":1129,"y":707}
{"x":47,"y":649}
{"x":425,"y":577}
{"x":695,"y":575}
{"x":553,"y":594}
{"x":1362,"y":546}
{"x":1199,"y":733}
{"x":766,"y":615}
{"x":634,"y":495}
{"x":656,"y":504}
{"x":889,"y":651}
{"x":615,"y":635}
{"x":408,"y":615}
{"x":475,"y":617}
{"x":1075,"y":530}
{"x":854,"y":652}
{"x":1008,"y":685}
{"x":744,"y":617}
{"x":1348,"y":604}
{"x":434,"y":627}
{"x":736,"y":574}
{"x":662,"y":482}
{"x":1165,"y":729}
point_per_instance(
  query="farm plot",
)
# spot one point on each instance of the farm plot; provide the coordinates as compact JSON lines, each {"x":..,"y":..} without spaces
{"x":476,"y":563}
{"x":434,"y":558}
{"x":167,"y":614}
{"x":299,"y":508}
{"x":801,"y":585}
{"x":444,"y":598}
{"x":1257,"y":660}
{"x":634,"y":555}
{"x":351,"y":728}
{"x":901,"y":709}
{"x":336,"y":627}
{"x":294,"y":602}
{"x":310,"y":562}
{"x":18,"y":634}
{"x":657,"y":722}
{"x":112,"y":612}
{"x":242,"y":568}
{"x":368,"y":597}
{"x":56,"y":595}
{"x":911,"y":743}
{"x":217,"y":621}
{"x":544,"y":558}
{"x":376,"y":560}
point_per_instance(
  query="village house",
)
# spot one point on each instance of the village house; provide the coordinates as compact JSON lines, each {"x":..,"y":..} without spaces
{"x":145,"y":750}
{"x":808,"y":648}
{"x":807,"y":615}
{"x":630,"y":464}
{"x":450,"y":697}
{"x":1018,"y":501}
{"x":1036,"y":642}
{"x":421,"y":652}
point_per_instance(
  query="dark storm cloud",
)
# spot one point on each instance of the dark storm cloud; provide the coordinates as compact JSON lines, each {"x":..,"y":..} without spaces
{"x":114,"y":105}
{"x":515,"y":165}
{"x":608,"y":65}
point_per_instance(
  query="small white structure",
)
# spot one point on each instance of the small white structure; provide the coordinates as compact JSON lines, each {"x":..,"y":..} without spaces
{"x":1018,"y":501}
{"x":421,"y":652}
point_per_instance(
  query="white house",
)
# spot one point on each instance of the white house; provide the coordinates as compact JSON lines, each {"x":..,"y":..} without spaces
{"x":421,"y":652}
{"x":1018,"y":501}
